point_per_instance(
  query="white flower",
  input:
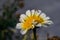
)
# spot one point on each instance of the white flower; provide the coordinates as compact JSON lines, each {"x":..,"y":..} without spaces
{"x":33,"y":18}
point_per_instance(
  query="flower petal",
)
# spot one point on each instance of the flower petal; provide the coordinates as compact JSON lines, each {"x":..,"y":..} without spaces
{"x":44,"y":25}
{"x":23,"y":32}
{"x":39,"y":11}
{"x":38,"y":25}
{"x":22,"y":18}
{"x":28,"y":13}
{"x":48,"y":22}
{"x":46,"y":18}
{"x":18,"y":26}
{"x":43,"y":15}
{"x":32,"y":12}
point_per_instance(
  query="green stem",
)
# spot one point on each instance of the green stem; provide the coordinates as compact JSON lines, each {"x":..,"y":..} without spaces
{"x":34,"y":33}
{"x":25,"y":37}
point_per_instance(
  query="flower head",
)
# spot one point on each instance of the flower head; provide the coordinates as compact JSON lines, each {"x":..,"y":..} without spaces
{"x":32,"y":19}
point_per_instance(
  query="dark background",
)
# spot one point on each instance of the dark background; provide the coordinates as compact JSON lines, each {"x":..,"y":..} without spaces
{"x":50,"y":7}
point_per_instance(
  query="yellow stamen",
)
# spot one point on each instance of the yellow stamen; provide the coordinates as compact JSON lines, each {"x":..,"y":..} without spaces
{"x":28,"y":21}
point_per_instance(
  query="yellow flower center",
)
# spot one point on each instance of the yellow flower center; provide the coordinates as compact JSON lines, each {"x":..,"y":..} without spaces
{"x":28,"y":21}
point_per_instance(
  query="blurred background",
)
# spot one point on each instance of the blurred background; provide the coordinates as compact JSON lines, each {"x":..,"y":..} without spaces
{"x":10,"y":11}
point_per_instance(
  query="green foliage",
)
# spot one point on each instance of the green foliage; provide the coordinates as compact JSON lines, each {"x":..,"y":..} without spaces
{"x":7,"y":20}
